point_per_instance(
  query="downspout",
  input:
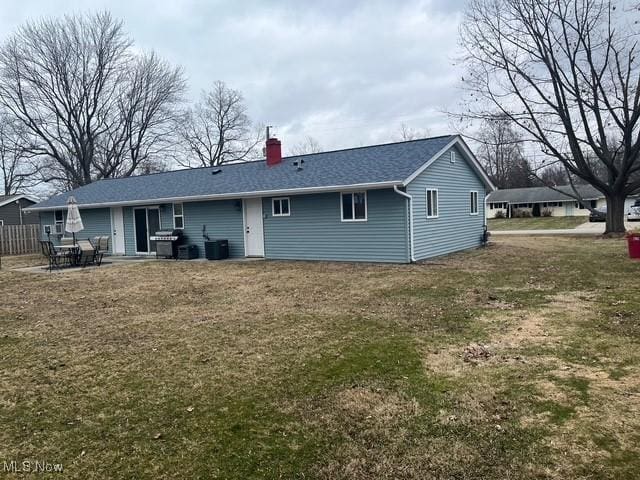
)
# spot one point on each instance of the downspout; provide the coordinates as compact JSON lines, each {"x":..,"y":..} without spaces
{"x":406,"y":195}
{"x":486,"y":197}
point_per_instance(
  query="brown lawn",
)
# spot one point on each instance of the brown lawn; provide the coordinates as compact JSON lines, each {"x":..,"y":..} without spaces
{"x":517,"y":361}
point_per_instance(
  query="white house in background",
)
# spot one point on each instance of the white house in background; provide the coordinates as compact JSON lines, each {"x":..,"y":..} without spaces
{"x":537,"y":200}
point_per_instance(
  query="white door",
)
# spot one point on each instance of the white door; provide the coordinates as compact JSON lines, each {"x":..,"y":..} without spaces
{"x":568,"y":209}
{"x":253,"y":234}
{"x":117,"y":230}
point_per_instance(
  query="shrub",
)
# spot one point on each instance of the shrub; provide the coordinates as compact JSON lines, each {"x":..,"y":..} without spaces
{"x":547,"y":212}
{"x":521,"y":213}
{"x":500,"y":214}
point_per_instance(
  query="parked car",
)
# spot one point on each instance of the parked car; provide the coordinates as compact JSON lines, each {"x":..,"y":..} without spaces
{"x":598,"y":214}
{"x":634,"y":211}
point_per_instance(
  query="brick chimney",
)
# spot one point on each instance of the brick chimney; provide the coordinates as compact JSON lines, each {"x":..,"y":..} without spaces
{"x":274,"y":152}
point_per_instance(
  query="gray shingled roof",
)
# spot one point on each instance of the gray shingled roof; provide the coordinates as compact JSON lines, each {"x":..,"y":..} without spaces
{"x":5,"y":199}
{"x":392,"y":162}
{"x":542,"y":194}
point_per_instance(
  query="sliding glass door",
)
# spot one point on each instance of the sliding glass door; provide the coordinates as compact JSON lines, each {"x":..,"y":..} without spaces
{"x":153,"y":225}
{"x":147,"y":223}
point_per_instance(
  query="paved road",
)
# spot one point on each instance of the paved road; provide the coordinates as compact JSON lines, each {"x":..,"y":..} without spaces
{"x":587,"y":228}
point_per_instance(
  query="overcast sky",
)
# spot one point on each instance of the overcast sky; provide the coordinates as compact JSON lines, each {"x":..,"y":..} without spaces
{"x":347,"y":73}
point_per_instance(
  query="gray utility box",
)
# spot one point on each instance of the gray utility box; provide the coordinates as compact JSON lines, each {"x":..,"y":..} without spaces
{"x":187,"y":252}
{"x":216,"y":249}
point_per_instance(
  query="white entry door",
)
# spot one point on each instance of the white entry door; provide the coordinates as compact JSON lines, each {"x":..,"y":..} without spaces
{"x":253,"y":234}
{"x":117,"y":230}
{"x":569,"y":209}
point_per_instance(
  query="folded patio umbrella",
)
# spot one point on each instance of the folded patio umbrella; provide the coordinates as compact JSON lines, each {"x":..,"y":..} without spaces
{"x":74,"y":221}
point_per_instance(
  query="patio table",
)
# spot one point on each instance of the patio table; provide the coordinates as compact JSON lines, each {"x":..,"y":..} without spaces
{"x":73,"y":249}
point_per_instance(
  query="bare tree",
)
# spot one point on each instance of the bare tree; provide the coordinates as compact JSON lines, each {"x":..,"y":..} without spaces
{"x":406,"y":133}
{"x":308,"y":145}
{"x":553,"y":175}
{"x":501,"y":154}
{"x":17,"y":172}
{"x":141,"y":133}
{"x":566,"y":73}
{"x":94,"y":108}
{"x":218,"y":129}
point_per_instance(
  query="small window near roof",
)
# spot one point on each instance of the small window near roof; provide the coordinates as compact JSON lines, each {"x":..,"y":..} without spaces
{"x":354,"y":207}
{"x":280,"y":207}
{"x":432,"y":203}
{"x":178,"y":215}
{"x":473,"y":200}
{"x":452,"y":156}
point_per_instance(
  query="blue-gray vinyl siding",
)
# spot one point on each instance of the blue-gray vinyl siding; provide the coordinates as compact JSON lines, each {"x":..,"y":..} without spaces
{"x":222,"y":220}
{"x":13,"y":214}
{"x":455,"y":228}
{"x":314,"y":230}
{"x":96,"y":221}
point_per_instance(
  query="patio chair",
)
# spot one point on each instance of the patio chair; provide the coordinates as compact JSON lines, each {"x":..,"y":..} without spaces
{"x":86,"y":253}
{"x":56,"y":259}
{"x":101,"y":244}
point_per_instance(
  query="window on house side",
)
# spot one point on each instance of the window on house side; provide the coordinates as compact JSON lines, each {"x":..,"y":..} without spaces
{"x":354,"y":207}
{"x":58,"y":227}
{"x":178,"y":215}
{"x":432,"y":203}
{"x":473,"y":199}
{"x":280,"y":207}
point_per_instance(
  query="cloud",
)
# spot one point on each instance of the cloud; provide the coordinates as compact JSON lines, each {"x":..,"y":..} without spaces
{"x":346,"y":73}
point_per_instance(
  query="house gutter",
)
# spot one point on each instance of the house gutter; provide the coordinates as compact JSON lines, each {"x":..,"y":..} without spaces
{"x":410,"y":198}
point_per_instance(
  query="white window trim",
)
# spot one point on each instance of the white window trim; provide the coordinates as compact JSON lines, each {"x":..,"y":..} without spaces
{"x":452,"y":156}
{"x":273,"y":207}
{"x":173,"y":211}
{"x":1,"y":222}
{"x":353,"y":207}
{"x":426,"y":202}
{"x":471,"y":212}
{"x":58,"y":223}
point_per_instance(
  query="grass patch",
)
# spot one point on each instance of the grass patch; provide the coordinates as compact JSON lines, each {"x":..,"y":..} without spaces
{"x":558,"y":412}
{"x":328,"y":370}
{"x":535,"y":223}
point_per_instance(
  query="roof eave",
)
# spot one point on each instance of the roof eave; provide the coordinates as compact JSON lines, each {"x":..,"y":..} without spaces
{"x":227,"y":196}
{"x":16,"y":198}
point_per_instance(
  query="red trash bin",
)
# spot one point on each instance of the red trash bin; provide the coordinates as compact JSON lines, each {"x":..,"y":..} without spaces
{"x":633,"y":241}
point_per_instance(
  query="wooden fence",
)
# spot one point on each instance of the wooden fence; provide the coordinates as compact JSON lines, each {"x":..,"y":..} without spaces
{"x":19,"y":239}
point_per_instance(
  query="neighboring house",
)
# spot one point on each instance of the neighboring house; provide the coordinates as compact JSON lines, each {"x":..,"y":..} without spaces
{"x":397,"y":202}
{"x":12,"y":210}
{"x":537,"y":200}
